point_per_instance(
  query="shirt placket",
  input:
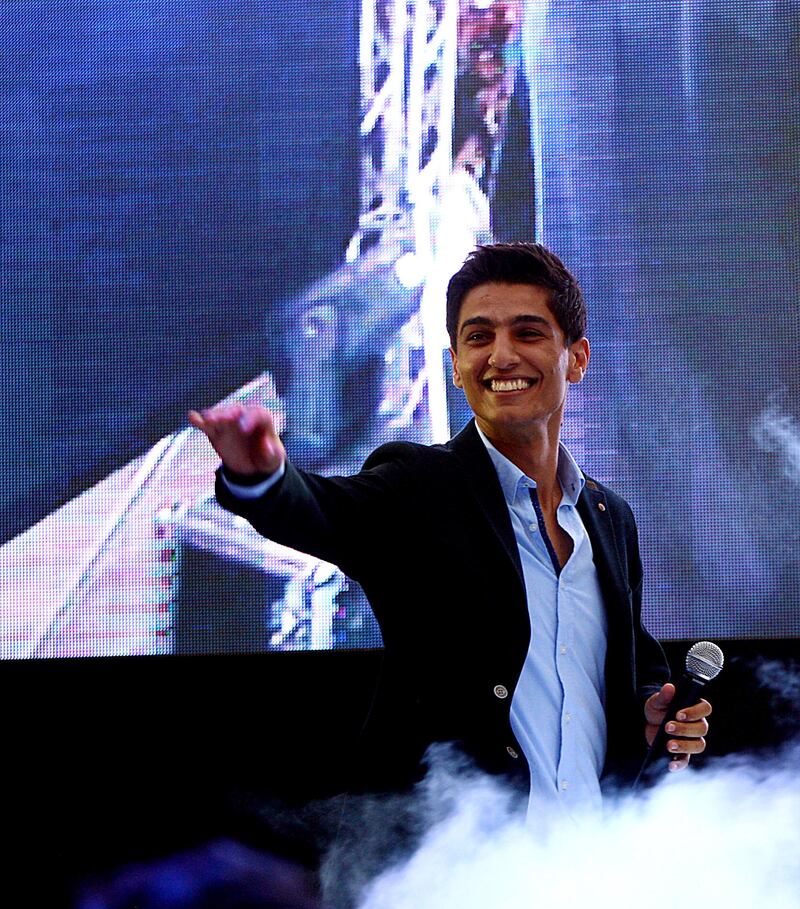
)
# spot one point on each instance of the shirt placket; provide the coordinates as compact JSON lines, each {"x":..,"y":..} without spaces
{"x":565,"y":660}
{"x":565,"y":768}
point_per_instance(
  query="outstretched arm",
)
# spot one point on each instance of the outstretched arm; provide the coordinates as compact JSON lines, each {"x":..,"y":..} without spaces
{"x":333,"y":518}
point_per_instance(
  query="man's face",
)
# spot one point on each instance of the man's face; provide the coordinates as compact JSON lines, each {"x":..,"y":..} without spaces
{"x":511,"y":359}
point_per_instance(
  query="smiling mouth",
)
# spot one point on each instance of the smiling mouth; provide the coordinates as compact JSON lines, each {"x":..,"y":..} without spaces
{"x":508,"y":384}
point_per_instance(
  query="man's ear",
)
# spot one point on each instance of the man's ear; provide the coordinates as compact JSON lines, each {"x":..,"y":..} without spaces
{"x":579,"y":353}
{"x":456,"y":374}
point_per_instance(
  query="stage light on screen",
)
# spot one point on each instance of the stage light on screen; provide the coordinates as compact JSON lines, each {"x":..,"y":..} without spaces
{"x":410,"y":270}
{"x":206,"y":203}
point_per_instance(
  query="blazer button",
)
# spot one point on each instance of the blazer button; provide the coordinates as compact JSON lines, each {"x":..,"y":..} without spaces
{"x":512,"y":752}
{"x":501,"y":691}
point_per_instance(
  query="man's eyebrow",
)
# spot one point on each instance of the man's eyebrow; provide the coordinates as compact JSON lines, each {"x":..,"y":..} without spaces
{"x":517,"y":320}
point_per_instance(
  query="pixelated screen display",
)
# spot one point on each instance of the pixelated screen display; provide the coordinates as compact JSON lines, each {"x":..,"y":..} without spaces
{"x":262,"y":202}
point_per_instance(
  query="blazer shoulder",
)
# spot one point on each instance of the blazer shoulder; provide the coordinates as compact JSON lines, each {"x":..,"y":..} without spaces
{"x":615,"y":502}
{"x":408,"y":454}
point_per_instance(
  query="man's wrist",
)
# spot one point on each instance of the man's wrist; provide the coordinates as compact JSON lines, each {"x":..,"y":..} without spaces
{"x":244,"y":479}
{"x":254,"y":485}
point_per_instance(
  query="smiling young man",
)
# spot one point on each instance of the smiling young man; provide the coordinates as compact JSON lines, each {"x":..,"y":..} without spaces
{"x":507,"y":583}
{"x":514,"y":363}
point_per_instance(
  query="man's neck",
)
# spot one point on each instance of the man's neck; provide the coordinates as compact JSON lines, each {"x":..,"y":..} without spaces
{"x":535,"y":452}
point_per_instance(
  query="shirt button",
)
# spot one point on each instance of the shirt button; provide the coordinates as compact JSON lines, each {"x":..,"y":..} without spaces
{"x":562,"y":649}
{"x":533,"y":526}
{"x":512,"y":752}
{"x":564,"y":784}
{"x":568,"y":717}
{"x":501,"y":691}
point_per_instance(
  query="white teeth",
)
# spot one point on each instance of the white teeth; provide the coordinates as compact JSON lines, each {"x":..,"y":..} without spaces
{"x":510,"y":384}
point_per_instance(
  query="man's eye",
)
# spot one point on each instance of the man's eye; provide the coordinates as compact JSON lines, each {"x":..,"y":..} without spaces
{"x":477,"y":336}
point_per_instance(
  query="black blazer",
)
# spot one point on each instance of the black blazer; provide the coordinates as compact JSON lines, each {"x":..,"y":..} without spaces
{"x":426,"y":531}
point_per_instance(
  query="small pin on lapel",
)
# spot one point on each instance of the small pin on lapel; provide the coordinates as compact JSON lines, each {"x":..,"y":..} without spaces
{"x":601,"y":506}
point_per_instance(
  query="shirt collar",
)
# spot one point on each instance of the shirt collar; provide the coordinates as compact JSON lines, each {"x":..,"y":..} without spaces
{"x":512,"y":479}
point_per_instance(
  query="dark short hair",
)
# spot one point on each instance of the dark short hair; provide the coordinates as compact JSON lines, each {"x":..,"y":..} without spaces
{"x":520,"y":263}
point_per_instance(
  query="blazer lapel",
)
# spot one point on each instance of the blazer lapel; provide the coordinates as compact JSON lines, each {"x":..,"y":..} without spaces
{"x":592,"y":507}
{"x":596,"y":516}
{"x":485,"y":486}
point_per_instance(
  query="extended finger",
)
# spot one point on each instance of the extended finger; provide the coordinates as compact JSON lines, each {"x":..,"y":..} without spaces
{"x":221,"y":418}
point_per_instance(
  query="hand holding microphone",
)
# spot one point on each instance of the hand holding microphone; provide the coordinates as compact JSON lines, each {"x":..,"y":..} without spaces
{"x":676,"y":715}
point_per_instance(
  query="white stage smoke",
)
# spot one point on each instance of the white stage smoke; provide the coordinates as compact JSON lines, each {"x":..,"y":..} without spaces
{"x":729,"y":834}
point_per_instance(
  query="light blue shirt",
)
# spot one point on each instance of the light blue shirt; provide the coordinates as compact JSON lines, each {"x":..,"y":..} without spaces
{"x":557,"y":711}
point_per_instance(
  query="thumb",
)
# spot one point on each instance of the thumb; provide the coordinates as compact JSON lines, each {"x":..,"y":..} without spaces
{"x":663,"y":698}
{"x":267,"y":449}
{"x":657,"y":703}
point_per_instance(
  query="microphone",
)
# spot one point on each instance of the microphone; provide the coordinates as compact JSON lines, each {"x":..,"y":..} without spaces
{"x":704,"y":663}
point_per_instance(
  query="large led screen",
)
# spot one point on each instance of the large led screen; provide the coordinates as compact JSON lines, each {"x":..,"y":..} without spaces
{"x":262,"y":202}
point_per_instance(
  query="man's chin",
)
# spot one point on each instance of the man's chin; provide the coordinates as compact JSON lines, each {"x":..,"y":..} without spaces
{"x":507,"y":420}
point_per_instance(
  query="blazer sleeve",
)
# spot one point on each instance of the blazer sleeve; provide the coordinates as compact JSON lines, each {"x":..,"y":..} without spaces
{"x":652,"y":668}
{"x":338,"y":519}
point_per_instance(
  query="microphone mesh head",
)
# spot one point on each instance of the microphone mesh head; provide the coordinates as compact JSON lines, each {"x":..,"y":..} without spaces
{"x":704,"y":660}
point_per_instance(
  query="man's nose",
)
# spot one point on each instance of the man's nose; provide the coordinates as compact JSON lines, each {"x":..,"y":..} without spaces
{"x":504,"y":353}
